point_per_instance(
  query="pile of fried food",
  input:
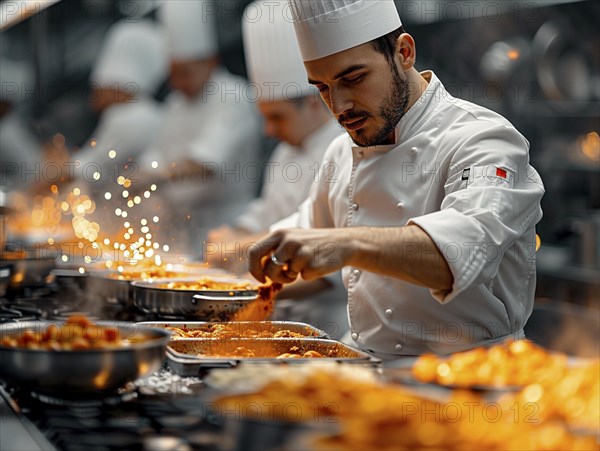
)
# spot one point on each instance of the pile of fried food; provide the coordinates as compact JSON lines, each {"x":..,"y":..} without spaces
{"x":237,"y":330}
{"x":77,"y":333}
{"x":382,"y":416}
{"x":513,"y":363}
{"x":559,"y":388}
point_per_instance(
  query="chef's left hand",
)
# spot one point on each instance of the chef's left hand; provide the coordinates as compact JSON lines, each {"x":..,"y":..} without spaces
{"x":312,"y":253}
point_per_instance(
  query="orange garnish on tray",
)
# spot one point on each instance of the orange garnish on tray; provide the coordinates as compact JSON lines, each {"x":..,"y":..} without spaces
{"x":261,"y":308}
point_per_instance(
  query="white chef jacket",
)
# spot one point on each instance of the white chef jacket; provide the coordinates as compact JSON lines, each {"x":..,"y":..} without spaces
{"x":129,"y":129}
{"x":287,"y":179}
{"x":220,"y":130}
{"x":461,"y":173}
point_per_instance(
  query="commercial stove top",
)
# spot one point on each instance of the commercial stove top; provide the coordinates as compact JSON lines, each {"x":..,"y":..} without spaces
{"x":161,"y":412}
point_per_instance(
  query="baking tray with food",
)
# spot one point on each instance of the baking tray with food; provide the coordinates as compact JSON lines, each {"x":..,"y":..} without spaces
{"x":190,"y":356}
{"x":204,"y":299}
{"x":78,"y":355}
{"x":241,"y":329}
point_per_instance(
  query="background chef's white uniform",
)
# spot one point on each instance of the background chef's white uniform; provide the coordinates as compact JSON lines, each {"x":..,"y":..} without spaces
{"x":446,"y":174}
{"x":218,"y":129}
{"x":288,"y":177}
{"x":133,"y":59}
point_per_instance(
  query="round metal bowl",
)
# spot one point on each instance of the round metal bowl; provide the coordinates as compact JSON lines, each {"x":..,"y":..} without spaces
{"x":203,"y":305}
{"x":94,"y":370}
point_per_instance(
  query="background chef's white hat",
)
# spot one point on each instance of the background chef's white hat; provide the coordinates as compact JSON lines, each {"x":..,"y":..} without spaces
{"x":133,"y":55}
{"x":325,"y":27}
{"x":272,"y":54}
{"x":16,"y":81}
{"x":191,"y":29}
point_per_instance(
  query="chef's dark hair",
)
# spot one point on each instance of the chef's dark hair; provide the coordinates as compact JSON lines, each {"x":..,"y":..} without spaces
{"x":386,"y":44}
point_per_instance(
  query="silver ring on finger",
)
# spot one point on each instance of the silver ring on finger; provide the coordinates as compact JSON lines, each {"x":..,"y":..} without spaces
{"x":276,"y":262}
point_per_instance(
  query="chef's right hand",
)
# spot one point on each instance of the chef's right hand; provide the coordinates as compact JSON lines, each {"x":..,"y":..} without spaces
{"x":312,"y":253}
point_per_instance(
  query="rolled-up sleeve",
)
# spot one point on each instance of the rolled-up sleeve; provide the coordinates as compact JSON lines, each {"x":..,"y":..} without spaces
{"x":492,"y":198}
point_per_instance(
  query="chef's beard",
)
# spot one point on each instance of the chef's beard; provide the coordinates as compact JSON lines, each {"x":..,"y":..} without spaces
{"x":390,"y":113}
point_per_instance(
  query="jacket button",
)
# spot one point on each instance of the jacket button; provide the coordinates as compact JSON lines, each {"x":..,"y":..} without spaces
{"x":354,"y":336}
{"x":354,"y":207}
{"x":356,"y":273}
{"x":389,"y":313}
{"x":413,"y":150}
{"x":398,"y":347}
{"x":400,"y":205}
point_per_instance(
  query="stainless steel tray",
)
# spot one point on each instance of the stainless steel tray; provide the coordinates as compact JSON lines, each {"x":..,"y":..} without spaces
{"x":182,"y":355}
{"x":260,"y":326}
{"x":204,"y":305}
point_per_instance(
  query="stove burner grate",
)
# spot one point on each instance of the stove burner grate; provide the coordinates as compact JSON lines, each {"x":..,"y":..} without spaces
{"x":79,"y":401}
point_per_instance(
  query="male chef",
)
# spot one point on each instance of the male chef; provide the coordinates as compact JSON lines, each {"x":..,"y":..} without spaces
{"x":293,"y":113}
{"x":432,"y":218}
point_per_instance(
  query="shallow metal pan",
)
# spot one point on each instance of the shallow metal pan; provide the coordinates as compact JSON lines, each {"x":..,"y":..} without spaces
{"x":205,"y":305}
{"x":262,"y":326}
{"x":182,"y":355}
{"x":120,"y":291}
{"x":94,"y":370}
{"x":113,"y":291}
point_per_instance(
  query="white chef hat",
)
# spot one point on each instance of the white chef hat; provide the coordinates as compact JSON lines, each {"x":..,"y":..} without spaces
{"x":191,"y":29}
{"x":16,"y":81}
{"x":133,"y":54}
{"x":274,"y":62}
{"x":325,"y":27}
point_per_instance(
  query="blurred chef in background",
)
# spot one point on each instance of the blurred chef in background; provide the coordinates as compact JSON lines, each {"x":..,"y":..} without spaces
{"x":19,"y":148}
{"x":209,"y":141}
{"x":294,"y":114}
{"x":128,"y":73}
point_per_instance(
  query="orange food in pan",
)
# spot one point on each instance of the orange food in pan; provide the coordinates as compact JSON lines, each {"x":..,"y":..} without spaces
{"x":207,"y":284}
{"x":293,"y":353}
{"x":221,"y":330}
{"x":147,"y":273}
{"x":77,"y":333}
